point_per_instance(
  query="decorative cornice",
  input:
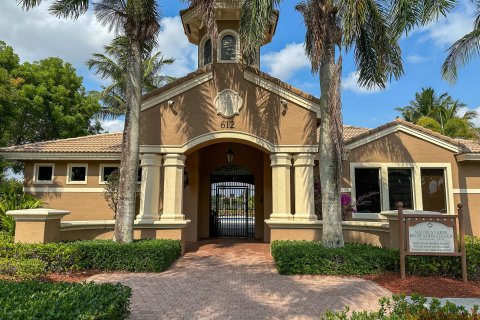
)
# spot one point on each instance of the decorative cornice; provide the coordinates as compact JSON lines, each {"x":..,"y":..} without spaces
{"x":179,"y":89}
{"x":399,"y":127}
{"x":466,"y":191}
{"x":282,"y":92}
{"x":239,"y":135}
{"x":61,"y":155}
{"x":468,"y":157}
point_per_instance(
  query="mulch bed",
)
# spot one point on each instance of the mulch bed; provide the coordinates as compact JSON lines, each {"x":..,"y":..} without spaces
{"x":439,"y":287}
{"x":78,"y":276}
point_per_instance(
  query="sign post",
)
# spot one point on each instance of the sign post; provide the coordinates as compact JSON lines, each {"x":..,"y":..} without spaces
{"x":423,"y":234}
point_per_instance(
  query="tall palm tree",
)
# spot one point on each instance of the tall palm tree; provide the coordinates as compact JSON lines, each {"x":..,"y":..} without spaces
{"x":372,"y":28}
{"x":441,"y":114}
{"x":112,"y":65}
{"x":463,"y":50}
{"x":138,"y":21}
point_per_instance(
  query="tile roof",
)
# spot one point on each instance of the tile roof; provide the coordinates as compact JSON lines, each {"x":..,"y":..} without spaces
{"x":111,"y":142}
{"x":100,"y":143}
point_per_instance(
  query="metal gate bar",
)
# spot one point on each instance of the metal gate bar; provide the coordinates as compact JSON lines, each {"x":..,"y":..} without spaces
{"x":232,"y":206}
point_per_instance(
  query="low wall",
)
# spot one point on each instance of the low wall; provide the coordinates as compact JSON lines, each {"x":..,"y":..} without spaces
{"x":103,"y":229}
{"x":374,"y":233}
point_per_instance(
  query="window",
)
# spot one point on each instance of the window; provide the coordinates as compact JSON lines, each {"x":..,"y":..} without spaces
{"x":43,"y":173}
{"x":139,"y":174}
{"x":228,"y":48}
{"x":207,"y":52}
{"x":367,"y":182}
{"x":433,"y":190}
{"x":77,"y":174}
{"x":106,"y":171}
{"x":400,"y":188}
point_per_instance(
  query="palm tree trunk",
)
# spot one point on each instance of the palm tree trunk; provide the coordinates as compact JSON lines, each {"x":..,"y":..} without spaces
{"x":130,"y":147}
{"x":330,"y":147}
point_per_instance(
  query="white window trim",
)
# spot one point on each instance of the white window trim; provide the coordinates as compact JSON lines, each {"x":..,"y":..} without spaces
{"x":35,"y":173}
{"x":416,"y":179}
{"x":101,"y":179}
{"x":228,"y":32}
{"x":69,"y":169}
{"x":201,"y":52}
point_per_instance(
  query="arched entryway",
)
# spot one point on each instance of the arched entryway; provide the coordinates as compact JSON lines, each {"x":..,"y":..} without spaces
{"x":232,"y":202}
{"x":227,"y":196}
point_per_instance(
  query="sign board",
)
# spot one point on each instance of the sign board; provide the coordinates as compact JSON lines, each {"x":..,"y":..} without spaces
{"x":430,"y":237}
{"x":424,"y":233}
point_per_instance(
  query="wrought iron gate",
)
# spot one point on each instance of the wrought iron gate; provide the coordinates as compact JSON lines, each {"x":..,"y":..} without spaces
{"x":232,"y":203}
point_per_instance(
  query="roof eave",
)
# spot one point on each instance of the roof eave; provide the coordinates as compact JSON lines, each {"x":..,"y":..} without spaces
{"x":27,"y":156}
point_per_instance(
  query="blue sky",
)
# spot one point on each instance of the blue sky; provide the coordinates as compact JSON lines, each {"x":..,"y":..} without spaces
{"x":36,"y":34}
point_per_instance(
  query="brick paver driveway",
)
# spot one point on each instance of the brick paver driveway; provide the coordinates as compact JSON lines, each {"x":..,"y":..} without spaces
{"x":231,"y":280}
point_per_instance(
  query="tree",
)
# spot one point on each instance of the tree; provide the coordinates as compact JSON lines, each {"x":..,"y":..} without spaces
{"x":112,"y":65}
{"x":110,"y":193}
{"x":371,"y":29}
{"x":43,"y":100}
{"x":463,"y":50}
{"x":138,"y":21}
{"x":440,"y":114}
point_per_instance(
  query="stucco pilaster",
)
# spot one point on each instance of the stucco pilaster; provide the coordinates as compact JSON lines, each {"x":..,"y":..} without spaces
{"x":304,"y":201}
{"x":174,"y":165}
{"x":281,"y":193}
{"x":150,"y":187}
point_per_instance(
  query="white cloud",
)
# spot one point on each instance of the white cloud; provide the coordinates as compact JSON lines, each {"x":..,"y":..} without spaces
{"x":415,"y":58}
{"x":449,"y":29}
{"x":173,"y":43}
{"x":284,"y":63}
{"x":37,"y":34}
{"x":350,"y":83}
{"x":113,"y":125}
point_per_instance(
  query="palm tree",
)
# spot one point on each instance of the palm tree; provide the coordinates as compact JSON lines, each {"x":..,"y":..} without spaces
{"x":440,"y":114}
{"x":372,"y":29}
{"x":138,"y":21}
{"x":463,"y":50}
{"x":112,"y":65}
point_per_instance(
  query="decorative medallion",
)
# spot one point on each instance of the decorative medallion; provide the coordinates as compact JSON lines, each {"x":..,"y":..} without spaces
{"x":228,"y":103}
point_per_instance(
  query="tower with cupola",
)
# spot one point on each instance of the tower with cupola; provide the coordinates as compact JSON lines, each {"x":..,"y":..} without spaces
{"x":226,"y":48}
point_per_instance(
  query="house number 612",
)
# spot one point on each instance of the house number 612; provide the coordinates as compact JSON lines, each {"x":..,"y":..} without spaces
{"x":229,"y":124}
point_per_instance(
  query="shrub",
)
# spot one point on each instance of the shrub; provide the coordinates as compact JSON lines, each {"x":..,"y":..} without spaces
{"x":102,"y":255}
{"x":308,"y":257}
{"x":398,"y":308}
{"x":44,"y":300}
{"x":12,"y":199}
{"x":25,"y":269}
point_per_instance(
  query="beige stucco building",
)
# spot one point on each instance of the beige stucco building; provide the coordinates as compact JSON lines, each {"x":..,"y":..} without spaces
{"x":229,"y":151}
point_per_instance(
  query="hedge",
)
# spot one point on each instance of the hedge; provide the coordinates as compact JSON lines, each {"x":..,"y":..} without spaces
{"x":308,"y":257}
{"x":102,"y":255}
{"x":48,"y":300}
{"x":26,"y":269}
{"x":417,"y":307}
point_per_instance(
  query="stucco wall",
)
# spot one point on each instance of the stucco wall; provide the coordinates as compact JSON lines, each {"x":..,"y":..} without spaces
{"x":194,"y":114}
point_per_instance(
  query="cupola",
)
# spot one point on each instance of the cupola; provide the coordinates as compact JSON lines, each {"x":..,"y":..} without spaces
{"x":228,"y":46}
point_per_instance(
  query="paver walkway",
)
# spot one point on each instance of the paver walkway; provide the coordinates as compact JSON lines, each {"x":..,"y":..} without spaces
{"x":231,"y":280}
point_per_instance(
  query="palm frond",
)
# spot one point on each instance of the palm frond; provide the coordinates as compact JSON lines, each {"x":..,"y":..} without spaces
{"x":255,"y":19}
{"x":461,"y":53}
{"x":205,"y":11}
{"x":320,"y":22}
{"x":29,"y":4}
{"x":69,"y":8}
{"x":112,"y":14}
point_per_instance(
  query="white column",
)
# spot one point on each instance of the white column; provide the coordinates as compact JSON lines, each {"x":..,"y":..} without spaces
{"x":174,"y":165}
{"x":150,"y":187}
{"x":281,"y":195}
{"x":304,"y":201}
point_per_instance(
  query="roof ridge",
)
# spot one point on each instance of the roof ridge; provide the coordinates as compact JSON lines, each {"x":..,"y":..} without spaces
{"x":63,"y":139}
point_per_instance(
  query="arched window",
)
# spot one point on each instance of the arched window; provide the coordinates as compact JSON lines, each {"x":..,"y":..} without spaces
{"x":207,"y":52}
{"x":228,"y":48}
